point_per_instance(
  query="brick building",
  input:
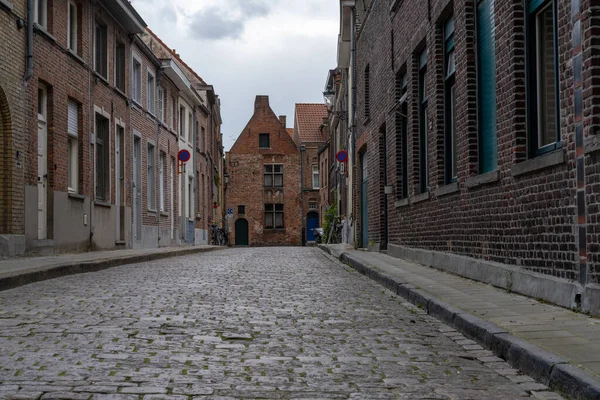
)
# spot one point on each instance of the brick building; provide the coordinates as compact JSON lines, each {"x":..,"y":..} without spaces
{"x":476,"y":127}
{"x":14,"y":78}
{"x":263,"y":168}
{"x":88,"y":140}
{"x":309,"y":135}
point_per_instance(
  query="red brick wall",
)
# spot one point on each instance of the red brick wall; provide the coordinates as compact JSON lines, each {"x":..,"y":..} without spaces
{"x":526,"y":220}
{"x":245,"y":166}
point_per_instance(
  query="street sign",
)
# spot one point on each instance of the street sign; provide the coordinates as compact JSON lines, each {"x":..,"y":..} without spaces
{"x":184,"y":156}
{"x":342,"y":156}
{"x":230,"y":211}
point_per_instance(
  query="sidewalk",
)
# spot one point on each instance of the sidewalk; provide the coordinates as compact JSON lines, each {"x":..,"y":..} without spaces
{"x":16,"y":272}
{"x":559,"y":347}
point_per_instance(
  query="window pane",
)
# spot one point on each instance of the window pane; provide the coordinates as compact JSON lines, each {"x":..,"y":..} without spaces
{"x":546,"y":78}
{"x":279,"y":168}
{"x":268,"y":180}
{"x":278,"y":207}
{"x":268,"y":207}
{"x":269,"y":220}
{"x":453,"y":131}
{"x":278,"y":180}
{"x":278,"y":220}
{"x":268,"y":168}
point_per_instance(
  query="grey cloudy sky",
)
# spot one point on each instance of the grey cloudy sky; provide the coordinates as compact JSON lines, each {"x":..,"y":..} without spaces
{"x":280,"y":48}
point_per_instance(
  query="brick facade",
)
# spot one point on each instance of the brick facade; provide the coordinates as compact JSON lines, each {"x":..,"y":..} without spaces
{"x":525,"y":212}
{"x":88,"y":212}
{"x":245,"y":164}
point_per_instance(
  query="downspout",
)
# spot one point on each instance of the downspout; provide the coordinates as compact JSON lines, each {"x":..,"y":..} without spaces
{"x":195,"y":167}
{"x":158,"y":194}
{"x":29,"y":61}
{"x":91,"y":119}
{"x":352,"y":163}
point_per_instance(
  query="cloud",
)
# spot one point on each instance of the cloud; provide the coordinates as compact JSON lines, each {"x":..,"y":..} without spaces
{"x":210,"y":24}
{"x":252,"y":8}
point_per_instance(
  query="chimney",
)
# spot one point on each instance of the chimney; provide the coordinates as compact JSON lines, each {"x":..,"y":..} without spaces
{"x":283,"y":120}
{"x":261,"y":102}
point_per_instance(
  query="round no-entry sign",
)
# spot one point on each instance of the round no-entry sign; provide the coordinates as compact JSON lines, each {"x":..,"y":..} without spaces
{"x":342,"y":156}
{"x":183,"y":155}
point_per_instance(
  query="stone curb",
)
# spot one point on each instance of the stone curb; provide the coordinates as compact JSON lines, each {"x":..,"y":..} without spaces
{"x":532,"y":360}
{"x":56,"y":271}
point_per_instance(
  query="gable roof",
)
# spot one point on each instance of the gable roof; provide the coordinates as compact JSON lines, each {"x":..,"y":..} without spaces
{"x":290,"y":132}
{"x":309,"y":117}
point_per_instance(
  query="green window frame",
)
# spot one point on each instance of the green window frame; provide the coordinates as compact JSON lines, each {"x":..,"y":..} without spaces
{"x":451,"y":153}
{"x":486,"y":86}
{"x":423,"y":126}
{"x":543,"y":116}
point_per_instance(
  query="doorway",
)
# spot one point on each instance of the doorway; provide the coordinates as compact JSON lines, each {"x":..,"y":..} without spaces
{"x":241,"y":232}
{"x":137,"y":189}
{"x":383,"y":171}
{"x":5,"y":166}
{"x":42,"y":182}
{"x":364,"y":202}
{"x":312,"y":222}
{"x":120,"y":182}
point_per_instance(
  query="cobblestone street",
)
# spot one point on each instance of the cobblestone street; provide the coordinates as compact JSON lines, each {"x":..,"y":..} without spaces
{"x":270,"y":323}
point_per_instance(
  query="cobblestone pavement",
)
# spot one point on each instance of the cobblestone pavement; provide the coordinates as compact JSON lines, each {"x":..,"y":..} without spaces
{"x":241,"y":323}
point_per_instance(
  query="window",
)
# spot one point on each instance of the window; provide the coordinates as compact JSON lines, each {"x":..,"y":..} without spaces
{"x":313,"y":205}
{"x":273,"y":175}
{"x":202,"y":139}
{"x":101,"y":50}
{"x":150,"y":91}
{"x":451,"y":168}
{"x":486,"y":86}
{"x":40,"y":12}
{"x":190,"y":126}
{"x":72,"y":26}
{"x":181,"y":121}
{"x":543,"y":76}
{"x":161,"y":104}
{"x":102,"y":159}
{"x":402,"y":128}
{"x":173,"y":113}
{"x":315,"y":176}
{"x":120,"y":66}
{"x":274,"y":216}
{"x":151,"y":178}
{"x":423,"y":122}
{"x":73,"y":146}
{"x":264,"y":141}
{"x":241,"y":210}
{"x":367,"y":94}
{"x":162,"y":165}
{"x":136,"y":80}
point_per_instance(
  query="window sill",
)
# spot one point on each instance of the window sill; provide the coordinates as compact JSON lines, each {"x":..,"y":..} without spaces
{"x":592,"y":144}
{"x":152,"y":211}
{"x":447,"y":189}
{"x":136,"y":105}
{"x":419,"y":198}
{"x":101,"y":78}
{"x":275,"y":229}
{"x":75,"y":56}
{"x":164,"y":214}
{"x":120,"y":242}
{"x":7,"y":4}
{"x":483,"y":179}
{"x":101,"y":203}
{"x":39,"y":28}
{"x":121,"y":93}
{"x":402,"y":203}
{"x":76,"y":196}
{"x":539,"y":163}
{"x":150,"y":115}
{"x":264,"y":148}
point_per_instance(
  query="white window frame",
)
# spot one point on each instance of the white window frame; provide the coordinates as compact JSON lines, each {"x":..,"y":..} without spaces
{"x":136,"y":84}
{"x":315,"y":174}
{"x":181,"y":120}
{"x":72,"y":38}
{"x":73,"y":152}
{"x":190,"y":127}
{"x":150,"y":92}
{"x":43,"y":98}
{"x":160,"y":93}
{"x":151,"y":170}
{"x":40,"y":7}
{"x":108,"y":189}
{"x":162,"y":161}
{"x":100,"y":22}
{"x":116,"y":66}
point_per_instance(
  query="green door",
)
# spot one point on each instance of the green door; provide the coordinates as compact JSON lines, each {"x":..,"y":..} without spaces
{"x":486,"y":75}
{"x":241,"y":232}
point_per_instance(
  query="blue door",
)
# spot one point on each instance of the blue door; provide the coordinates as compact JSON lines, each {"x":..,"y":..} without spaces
{"x":312,"y":221}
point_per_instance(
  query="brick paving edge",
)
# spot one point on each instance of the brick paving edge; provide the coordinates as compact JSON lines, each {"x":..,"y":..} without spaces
{"x":46,"y":273}
{"x":532,"y":360}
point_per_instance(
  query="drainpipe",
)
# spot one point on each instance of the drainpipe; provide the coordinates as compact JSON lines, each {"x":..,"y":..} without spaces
{"x":157,"y":194}
{"x":194,"y":161}
{"x":29,"y":63}
{"x":91,"y":120}
{"x":302,"y":150}
{"x":352,"y":114}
